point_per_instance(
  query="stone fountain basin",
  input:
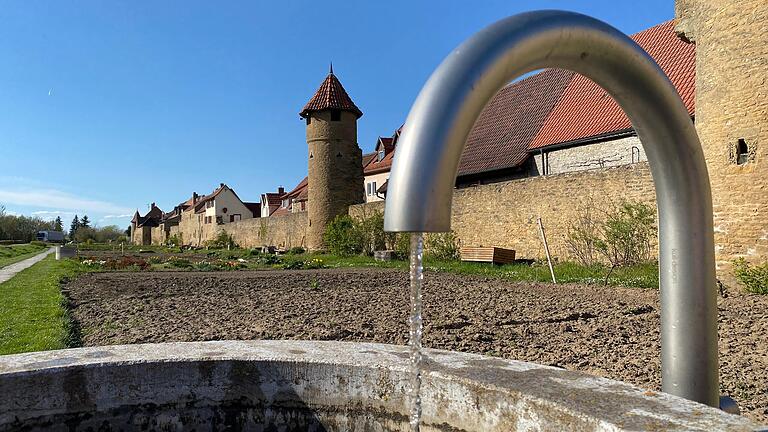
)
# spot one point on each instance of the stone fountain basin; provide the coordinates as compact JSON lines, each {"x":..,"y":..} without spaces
{"x":320,"y":386}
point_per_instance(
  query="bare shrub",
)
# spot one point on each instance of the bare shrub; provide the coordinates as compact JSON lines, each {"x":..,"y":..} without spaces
{"x":621,"y":236}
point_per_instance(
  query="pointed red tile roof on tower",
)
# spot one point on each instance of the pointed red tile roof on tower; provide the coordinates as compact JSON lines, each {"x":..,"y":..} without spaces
{"x":331,"y":95}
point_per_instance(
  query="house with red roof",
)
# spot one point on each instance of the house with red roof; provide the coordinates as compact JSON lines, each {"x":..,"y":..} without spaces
{"x":271,"y":202}
{"x":294,"y":201}
{"x":553,"y":122}
{"x":220,"y":207}
{"x":376,"y":169}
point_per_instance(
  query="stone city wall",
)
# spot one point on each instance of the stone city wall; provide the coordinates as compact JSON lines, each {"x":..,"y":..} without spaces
{"x":504,"y":214}
{"x":284,"y":232}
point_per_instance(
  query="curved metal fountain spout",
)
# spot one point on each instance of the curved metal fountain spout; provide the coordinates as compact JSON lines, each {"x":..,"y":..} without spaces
{"x":424,"y":172}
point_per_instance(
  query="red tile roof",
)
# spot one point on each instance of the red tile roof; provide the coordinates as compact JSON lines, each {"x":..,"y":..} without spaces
{"x":500,"y":137}
{"x":368,"y":157}
{"x":273,"y":201}
{"x":585,"y":110}
{"x":388,"y":144}
{"x":330,"y":95}
{"x":557,"y":106}
{"x":376,"y":166}
{"x":281,"y":211}
{"x":300,"y":192}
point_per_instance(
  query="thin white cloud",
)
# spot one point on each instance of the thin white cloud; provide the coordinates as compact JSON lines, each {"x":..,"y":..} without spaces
{"x":117,"y":216}
{"x":52,"y":214}
{"x":51,"y":198}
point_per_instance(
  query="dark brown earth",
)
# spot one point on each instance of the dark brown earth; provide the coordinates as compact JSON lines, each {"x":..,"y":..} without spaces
{"x":612,"y":332}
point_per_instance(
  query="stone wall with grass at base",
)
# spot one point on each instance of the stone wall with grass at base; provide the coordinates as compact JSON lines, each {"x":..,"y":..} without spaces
{"x":283,"y":232}
{"x":504,"y":214}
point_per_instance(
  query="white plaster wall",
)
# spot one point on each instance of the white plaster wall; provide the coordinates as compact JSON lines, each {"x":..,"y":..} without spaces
{"x":233,"y":205}
{"x":590,"y":156}
{"x":379,"y":179}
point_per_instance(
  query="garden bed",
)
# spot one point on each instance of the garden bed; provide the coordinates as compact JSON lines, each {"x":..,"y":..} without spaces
{"x":608,"y":331}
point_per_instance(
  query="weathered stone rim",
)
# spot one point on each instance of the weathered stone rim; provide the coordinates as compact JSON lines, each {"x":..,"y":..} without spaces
{"x":465,"y":391}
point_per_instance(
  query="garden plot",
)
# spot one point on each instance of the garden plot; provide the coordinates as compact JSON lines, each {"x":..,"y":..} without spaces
{"x":611,"y":332}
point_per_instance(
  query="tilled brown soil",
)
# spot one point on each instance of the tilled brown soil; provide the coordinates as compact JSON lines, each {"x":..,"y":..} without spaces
{"x":612,"y":332}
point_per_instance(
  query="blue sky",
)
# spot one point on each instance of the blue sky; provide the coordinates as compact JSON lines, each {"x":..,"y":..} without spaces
{"x":108,"y":106}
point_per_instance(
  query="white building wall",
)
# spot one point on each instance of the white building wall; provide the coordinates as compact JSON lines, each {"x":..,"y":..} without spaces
{"x":620,"y":151}
{"x":227,"y":199}
{"x":379,"y":179}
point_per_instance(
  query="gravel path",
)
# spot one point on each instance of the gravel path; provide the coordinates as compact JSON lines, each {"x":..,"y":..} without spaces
{"x":10,"y":271}
{"x":612,"y":332}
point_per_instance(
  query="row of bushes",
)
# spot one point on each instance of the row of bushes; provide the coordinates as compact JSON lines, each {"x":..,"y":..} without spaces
{"x":347,"y":236}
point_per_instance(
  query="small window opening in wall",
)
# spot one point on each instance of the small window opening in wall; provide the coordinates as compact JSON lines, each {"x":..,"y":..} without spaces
{"x":742,"y":152}
{"x":309,"y":120}
{"x":335,"y":115}
{"x":338,"y":154}
{"x":311,"y":156}
{"x":635,"y":154}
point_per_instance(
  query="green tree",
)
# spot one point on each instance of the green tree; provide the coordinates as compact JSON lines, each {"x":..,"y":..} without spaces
{"x":73,"y":227}
{"x":85,"y":222}
{"x":57,"y":225}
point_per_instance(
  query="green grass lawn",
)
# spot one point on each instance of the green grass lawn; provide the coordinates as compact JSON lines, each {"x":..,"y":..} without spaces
{"x":32,"y":312}
{"x":15,"y":253}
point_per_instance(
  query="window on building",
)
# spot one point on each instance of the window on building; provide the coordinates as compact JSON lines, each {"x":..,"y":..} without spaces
{"x":373,"y":188}
{"x":219,"y":220}
{"x":368,"y":188}
{"x":380,"y":156}
{"x":309,"y":120}
{"x":742,"y":152}
{"x":335,"y":115}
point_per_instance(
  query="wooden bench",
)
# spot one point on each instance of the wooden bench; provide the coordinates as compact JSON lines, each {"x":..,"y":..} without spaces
{"x":494,"y":255}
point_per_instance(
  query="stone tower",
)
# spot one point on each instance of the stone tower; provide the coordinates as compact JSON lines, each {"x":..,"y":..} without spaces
{"x":335,"y":159}
{"x":732,"y":119}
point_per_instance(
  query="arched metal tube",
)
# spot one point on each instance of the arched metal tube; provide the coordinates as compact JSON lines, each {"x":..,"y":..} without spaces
{"x":424,"y":171}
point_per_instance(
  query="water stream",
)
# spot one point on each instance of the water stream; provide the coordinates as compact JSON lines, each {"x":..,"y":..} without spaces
{"x":417,"y":255}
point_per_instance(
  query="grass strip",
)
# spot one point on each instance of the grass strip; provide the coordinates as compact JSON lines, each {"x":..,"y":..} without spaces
{"x":14,"y":253}
{"x":33,"y":316}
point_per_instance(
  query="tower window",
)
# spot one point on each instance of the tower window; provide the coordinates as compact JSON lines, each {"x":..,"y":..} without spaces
{"x":335,"y":115}
{"x":742,"y":152}
{"x":309,"y":120}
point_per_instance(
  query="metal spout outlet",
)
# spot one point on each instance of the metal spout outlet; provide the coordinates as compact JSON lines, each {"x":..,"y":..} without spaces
{"x":424,"y":171}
